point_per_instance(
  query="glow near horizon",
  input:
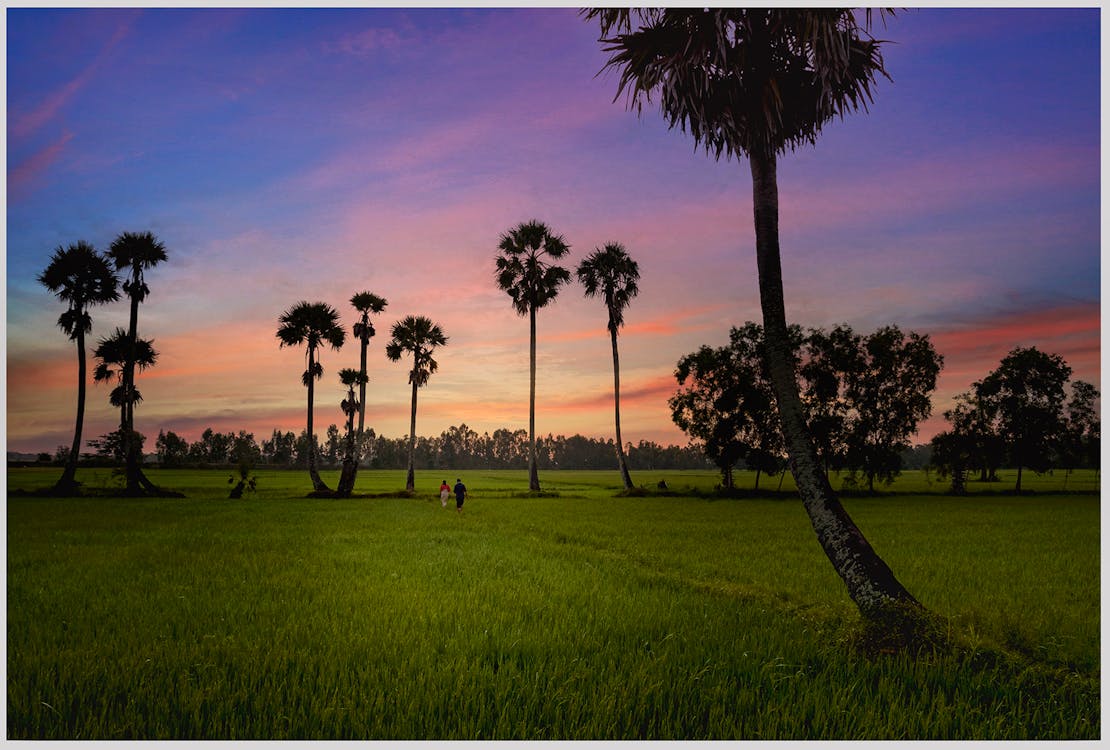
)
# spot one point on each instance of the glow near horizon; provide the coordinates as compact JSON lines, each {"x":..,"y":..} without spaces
{"x":288,"y":154}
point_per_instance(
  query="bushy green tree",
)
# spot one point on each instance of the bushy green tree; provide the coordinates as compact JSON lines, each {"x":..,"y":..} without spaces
{"x":1026,"y":392}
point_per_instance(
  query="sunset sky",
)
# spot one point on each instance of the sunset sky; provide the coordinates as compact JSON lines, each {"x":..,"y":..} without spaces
{"x":285,"y":155}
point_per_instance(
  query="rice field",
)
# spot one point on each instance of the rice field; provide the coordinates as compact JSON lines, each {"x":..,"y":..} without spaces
{"x":577,"y":615}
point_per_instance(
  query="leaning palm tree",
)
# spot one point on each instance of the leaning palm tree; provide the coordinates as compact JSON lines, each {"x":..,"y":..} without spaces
{"x":525,"y":272}
{"x":755,"y":83}
{"x":312,"y":324}
{"x":112,"y":353}
{"x":350,"y":406}
{"x":612,"y":274}
{"x":419,"y":336}
{"x":134,"y":252}
{"x":365,"y":303}
{"x":81,"y":277}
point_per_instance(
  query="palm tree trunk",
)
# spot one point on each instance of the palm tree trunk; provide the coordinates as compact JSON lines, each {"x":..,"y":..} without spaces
{"x":410,"y":481}
{"x":68,"y":481}
{"x":130,"y":451}
{"x":617,"y":408}
{"x":870,"y":582}
{"x":533,"y":473}
{"x":317,"y":483}
{"x":362,"y":393}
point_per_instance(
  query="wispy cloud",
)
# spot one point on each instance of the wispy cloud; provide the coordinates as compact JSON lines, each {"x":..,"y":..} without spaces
{"x":23,"y":124}
{"x":24,"y":176}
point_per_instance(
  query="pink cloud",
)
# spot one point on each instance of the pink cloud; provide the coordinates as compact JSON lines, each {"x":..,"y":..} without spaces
{"x":23,"y":176}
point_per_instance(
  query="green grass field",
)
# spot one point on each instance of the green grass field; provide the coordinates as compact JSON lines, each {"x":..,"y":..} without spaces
{"x":578,"y":616}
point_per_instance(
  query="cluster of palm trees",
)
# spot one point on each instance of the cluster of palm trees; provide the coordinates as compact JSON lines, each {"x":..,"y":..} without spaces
{"x":524,"y":269}
{"x":82,"y":277}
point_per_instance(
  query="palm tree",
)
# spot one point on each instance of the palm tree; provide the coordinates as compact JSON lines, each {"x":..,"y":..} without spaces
{"x":81,"y":277}
{"x":525,"y":273}
{"x":312,"y":324}
{"x":612,"y":274}
{"x":113,"y":352}
{"x":350,"y":406}
{"x":365,"y":303}
{"x":418,"y":336}
{"x":134,"y":252}
{"x":754,"y":83}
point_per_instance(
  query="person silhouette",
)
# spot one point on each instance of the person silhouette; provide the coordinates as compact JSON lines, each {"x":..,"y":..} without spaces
{"x":460,"y":494}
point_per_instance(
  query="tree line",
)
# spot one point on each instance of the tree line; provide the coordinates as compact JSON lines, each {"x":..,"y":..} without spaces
{"x":459,"y":447}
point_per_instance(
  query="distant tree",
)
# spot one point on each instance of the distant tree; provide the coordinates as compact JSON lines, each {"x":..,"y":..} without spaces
{"x":62,"y":454}
{"x":243,"y":450}
{"x":974,"y":420}
{"x":418,"y":336}
{"x":313,"y":324}
{"x":172,"y":449}
{"x":725,"y":402}
{"x":953,"y":456}
{"x":611,"y":274}
{"x":135,"y":253}
{"x":332,"y":446}
{"x":1027,"y":389}
{"x":113,"y":446}
{"x":80,"y":277}
{"x":888,"y":392}
{"x":365,"y":303}
{"x":212,"y":448}
{"x":350,"y":406}
{"x":1083,"y":428}
{"x":824,"y":361}
{"x":112,"y":354}
{"x":756,"y":82}
{"x":525,"y":271}
{"x":279,"y":450}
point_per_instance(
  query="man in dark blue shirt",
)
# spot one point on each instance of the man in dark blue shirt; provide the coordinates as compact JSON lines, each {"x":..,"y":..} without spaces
{"x":460,"y":494}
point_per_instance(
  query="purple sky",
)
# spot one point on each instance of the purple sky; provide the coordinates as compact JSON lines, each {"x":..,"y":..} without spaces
{"x":284,"y":155}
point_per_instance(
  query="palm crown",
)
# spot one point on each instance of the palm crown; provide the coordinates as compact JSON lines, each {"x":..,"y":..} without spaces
{"x":136,"y":251}
{"x":612,"y":274}
{"x":522,"y":271}
{"x":366,"y":303}
{"x":79,"y":276}
{"x":112,"y":353}
{"x":419,"y":336}
{"x":314,"y":324}
{"x":744,"y":80}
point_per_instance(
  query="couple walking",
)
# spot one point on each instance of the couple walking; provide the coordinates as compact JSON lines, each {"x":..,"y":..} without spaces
{"x":460,"y":494}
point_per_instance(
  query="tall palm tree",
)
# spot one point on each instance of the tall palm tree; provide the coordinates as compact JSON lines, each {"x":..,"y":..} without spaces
{"x":312,"y":324}
{"x":135,"y":253}
{"x":112,"y":353}
{"x":350,"y":406}
{"x":525,"y":272}
{"x":365,"y":303}
{"x":612,"y":274}
{"x":756,"y":82}
{"x":81,"y":277}
{"x":419,"y":336}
